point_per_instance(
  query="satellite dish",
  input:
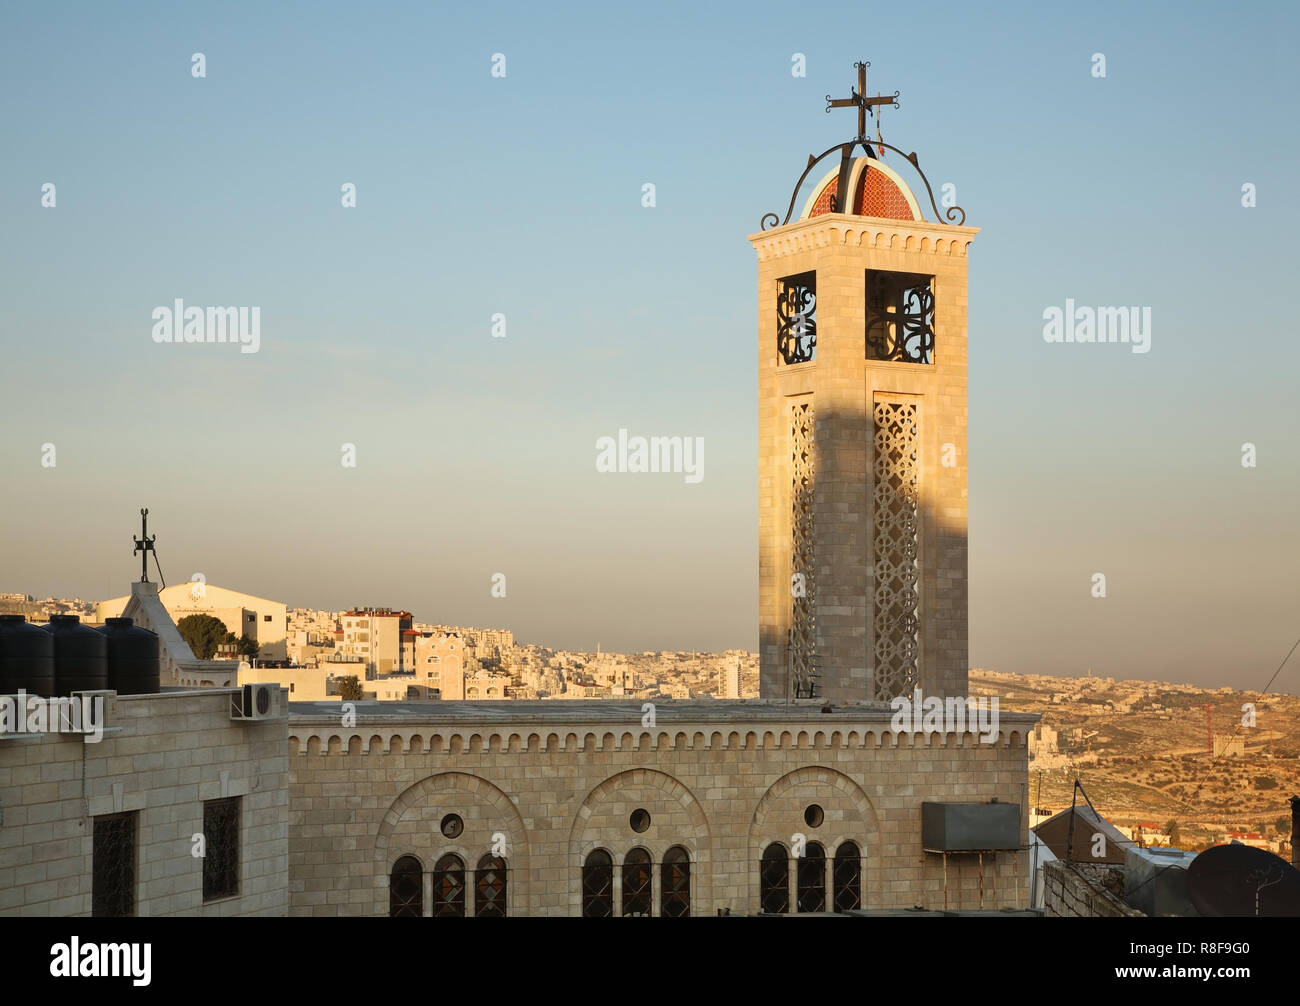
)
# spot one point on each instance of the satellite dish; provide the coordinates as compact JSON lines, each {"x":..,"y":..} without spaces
{"x":1236,"y":880}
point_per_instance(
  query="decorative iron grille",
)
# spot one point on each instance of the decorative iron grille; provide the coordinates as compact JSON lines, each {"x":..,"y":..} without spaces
{"x":900,"y":317}
{"x":896,"y":548}
{"x":636,"y":883}
{"x":449,"y":887}
{"x":406,"y":889}
{"x":774,"y":880}
{"x":598,"y":886}
{"x":846,"y":877}
{"x":113,"y":866}
{"x":803,"y":615}
{"x":676,"y":880}
{"x":810,"y":878}
{"x":810,"y":869}
{"x":796,"y":318}
{"x":490,"y":888}
{"x":221,"y":851}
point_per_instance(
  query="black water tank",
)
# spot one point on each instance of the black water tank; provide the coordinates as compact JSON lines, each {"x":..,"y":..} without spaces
{"x":26,"y":657}
{"x":133,"y":657}
{"x":80,"y":656}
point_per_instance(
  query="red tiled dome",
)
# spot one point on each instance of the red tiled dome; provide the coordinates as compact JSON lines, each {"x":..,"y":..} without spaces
{"x":878,"y":195}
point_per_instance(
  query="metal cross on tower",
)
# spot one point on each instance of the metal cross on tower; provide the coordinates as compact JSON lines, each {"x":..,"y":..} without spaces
{"x":144,"y":545}
{"x":841,"y":201}
{"x":858,"y":99}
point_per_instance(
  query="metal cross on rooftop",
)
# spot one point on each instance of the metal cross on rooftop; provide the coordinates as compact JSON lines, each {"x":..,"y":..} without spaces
{"x":858,"y":99}
{"x":144,"y":545}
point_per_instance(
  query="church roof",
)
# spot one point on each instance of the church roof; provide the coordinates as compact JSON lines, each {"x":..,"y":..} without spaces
{"x":877,"y":189}
{"x":624,"y":712}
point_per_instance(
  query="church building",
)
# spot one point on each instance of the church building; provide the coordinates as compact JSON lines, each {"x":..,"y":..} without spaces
{"x":819,"y":796}
{"x":807,"y":800}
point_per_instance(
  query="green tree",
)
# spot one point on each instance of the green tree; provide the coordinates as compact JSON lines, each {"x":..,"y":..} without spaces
{"x":1173,"y":831}
{"x":350,"y":689}
{"x":203,"y":633}
{"x":246,"y":647}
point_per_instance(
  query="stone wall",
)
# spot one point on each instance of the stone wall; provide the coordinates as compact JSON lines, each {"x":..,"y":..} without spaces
{"x":843,"y":387}
{"x":161,"y":756}
{"x":554,"y":781}
{"x":1084,"y":890}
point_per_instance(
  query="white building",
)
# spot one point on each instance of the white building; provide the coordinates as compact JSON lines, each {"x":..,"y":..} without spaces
{"x":439,"y":663}
{"x":262,"y":620}
{"x":731,"y":681}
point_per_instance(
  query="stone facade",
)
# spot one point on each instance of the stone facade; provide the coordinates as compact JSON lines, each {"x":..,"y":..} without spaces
{"x":554,"y":781}
{"x":844,"y":388}
{"x":161,"y":756}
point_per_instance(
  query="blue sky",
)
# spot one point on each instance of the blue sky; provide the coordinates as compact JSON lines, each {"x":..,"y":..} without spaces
{"x":522,"y":195}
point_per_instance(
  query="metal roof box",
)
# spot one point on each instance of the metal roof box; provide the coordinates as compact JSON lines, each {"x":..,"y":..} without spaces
{"x":970,"y":827}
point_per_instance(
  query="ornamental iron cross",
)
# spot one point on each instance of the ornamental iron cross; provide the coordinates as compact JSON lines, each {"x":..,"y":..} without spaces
{"x":144,"y":545}
{"x":858,"y":100}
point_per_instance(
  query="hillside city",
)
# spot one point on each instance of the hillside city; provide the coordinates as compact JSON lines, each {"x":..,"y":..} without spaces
{"x":1169,"y":764}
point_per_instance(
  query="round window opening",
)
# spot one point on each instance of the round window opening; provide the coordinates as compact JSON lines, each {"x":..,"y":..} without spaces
{"x":452,"y":826}
{"x":813,"y":816}
{"x":640,"y":820}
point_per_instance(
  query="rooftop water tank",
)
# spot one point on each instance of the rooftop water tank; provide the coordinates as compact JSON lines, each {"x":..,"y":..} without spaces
{"x":26,"y":657}
{"x":133,"y":657}
{"x":80,"y":656}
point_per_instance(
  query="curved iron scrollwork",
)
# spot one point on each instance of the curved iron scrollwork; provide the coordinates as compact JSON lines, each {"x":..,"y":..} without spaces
{"x":829,"y":99}
{"x":796,"y":318}
{"x":900,"y":317}
{"x":953,"y":214}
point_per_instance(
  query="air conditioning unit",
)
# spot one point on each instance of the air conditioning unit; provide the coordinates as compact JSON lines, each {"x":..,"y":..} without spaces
{"x":256,"y":702}
{"x":80,"y":713}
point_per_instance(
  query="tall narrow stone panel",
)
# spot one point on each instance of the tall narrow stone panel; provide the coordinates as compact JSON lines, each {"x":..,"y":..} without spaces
{"x":895,"y":544}
{"x":862,"y":446}
{"x":803,"y":553}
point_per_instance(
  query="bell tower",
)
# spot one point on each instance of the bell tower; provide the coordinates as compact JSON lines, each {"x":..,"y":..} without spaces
{"x":862,"y":430}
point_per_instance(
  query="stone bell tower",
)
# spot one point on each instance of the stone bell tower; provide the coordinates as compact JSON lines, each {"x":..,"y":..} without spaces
{"x":862,"y":432}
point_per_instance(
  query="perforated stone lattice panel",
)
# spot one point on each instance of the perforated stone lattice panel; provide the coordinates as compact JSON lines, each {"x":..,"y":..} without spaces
{"x":803,"y":625}
{"x":896,"y":547}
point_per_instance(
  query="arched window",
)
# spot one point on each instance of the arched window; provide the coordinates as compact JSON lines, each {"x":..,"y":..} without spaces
{"x":449,"y":887}
{"x":637,"y":871}
{"x":490,"y":888}
{"x":774,"y":880}
{"x":598,"y":885}
{"x":846,"y":875}
{"x":812,"y":878}
{"x":406,"y":889}
{"x":675,"y":882}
